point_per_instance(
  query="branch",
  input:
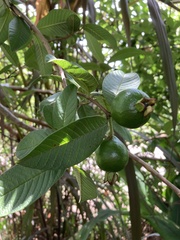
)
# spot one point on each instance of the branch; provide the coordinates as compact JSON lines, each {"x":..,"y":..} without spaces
{"x":155,"y":173}
{"x":7,"y":113}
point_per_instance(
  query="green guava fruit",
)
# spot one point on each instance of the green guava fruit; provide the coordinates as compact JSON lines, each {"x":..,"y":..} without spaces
{"x":112,"y":155}
{"x":132,"y":108}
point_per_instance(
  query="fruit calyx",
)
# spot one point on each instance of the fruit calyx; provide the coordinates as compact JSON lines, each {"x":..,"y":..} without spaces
{"x":145,"y":105}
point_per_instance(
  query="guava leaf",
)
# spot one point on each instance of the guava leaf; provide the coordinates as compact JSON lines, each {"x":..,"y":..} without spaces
{"x":95,"y":47}
{"x":67,"y":146}
{"x":5,"y":18}
{"x":19,"y":33}
{"x":88,"y":189}
{"x":31,"y":141}
{"x":20,"y":186}
{"x":60,"y":109}
{"x":59,"y":23}
{"x":82,"y":77}
{"x":87,"y":227}
{"x":118,"y":81}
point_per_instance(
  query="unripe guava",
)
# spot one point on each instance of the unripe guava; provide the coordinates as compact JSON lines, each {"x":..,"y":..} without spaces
{"x":132,"y":108}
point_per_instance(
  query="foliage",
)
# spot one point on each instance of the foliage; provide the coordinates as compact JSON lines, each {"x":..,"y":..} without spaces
{"x":58,"y":79}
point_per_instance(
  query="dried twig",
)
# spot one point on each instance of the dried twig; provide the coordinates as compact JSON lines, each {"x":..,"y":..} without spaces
{"x":155,"y":173}
{"x":7,"y":113}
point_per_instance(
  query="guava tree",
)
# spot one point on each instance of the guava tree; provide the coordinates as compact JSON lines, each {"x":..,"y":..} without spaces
{"x":75,"y":87}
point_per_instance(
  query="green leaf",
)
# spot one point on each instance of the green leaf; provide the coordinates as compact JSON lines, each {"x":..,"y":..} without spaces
{"x":11,"y":55}
{"x":165,"y":227}
{"x":59,"y":23}
{"x":60,"y":109}
{"x":88,"y":227}
{"x":85,"y":111}
{"x":79,"y":74}
{"x":127,"y":53}
{"x":95,"y":47}
{"x":88,"y":189}
{"x":19,"y":34}
{"x":68,"y":146}
{"x":100,"y":34}
{"x":123,"y":132}
{"x":4,"y":24}
{"x":40,"y":52}
{"x":21,"y":186}
{"x":31,"y":141}
{"x":118,"y":81}
{"x":166,"y":56}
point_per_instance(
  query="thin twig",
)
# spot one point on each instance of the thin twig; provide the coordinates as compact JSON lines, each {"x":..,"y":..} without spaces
{"x":155,"y":173}
{"x":108,"y":114}
{"x":7,"y":113}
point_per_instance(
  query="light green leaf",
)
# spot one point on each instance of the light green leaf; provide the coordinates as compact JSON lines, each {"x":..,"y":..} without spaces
{"x":95,"y":47}
{"x":21,"y":186}
{"x":11,"y":55}
{"x":127,"y":53}
{"x":88,"y":227}
{"x":40,"y":52}
{"x":19,"y":33}
{"x":118,"y":81}
{"x":79,"y":74}
{"x":5,"y":18}
{"x":166,"y":55}
{"x":60,"y":109}
{"x":59,"y":23}
{"x":68,"y":146}
{"x":88,"y":189}
{"x":100,"y":34}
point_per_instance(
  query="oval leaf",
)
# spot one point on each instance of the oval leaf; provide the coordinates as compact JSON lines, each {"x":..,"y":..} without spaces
{"x":68,"y":146}
{"x":118,"y":81}
{"x":19,"y":33}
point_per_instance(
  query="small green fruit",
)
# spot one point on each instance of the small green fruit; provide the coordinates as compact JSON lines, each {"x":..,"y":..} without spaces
{"x":132,"y":108}
{"x":112,"y":155}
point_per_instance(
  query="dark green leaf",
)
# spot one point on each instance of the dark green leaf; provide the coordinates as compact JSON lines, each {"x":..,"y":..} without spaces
{"x":127,"y":53}
{"x":60,"y":109}
{"x":11,"y":55}
{"x":88,"y":189}
{"x":5,"y":19}
{"x":21,"y":186}
{"x":100,"y":34}
{"x":66,"y":147}
{"x":95,"y":47}
{"x":59,"y":23}
{"x":82,"y":77}
{"x":166,"y":56}
{"x":19,"y":34}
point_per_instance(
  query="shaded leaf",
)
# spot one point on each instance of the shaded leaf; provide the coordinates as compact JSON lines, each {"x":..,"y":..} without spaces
{"x":166,"y":56}
{"x":79,"y":74}
{"x":59,"y":23}
{"x":41,"y":52}
{"x":66,"y":147}
{"x":19,"y":33}
{"x":118,"y":81}
{"x":5,"y":19}
{"x":60,"y":109}
{"x":21,"y":186}
{"x":126,"y":20}
{"x":100,"y":34}
{"x":88,"y":189}
{"x":87,"y":227}
{"x":95,"y":47}
{"x":127,"y":53}
{"x":11,"y":55}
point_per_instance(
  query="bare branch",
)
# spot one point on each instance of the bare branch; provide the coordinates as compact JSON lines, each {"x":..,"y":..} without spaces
{"x":7,"y":113}
{"x":155,"y":173}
